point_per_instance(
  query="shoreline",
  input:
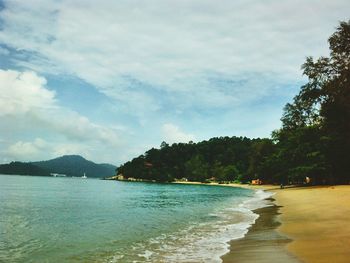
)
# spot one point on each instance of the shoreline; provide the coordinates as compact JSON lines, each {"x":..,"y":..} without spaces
{"x":307,"y":224}
{"x":314,"y":219}
{"x":263,"y":243}
{"x":247,"y":186}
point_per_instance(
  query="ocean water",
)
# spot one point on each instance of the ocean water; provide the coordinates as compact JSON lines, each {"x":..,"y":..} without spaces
{"x":52,"y":219}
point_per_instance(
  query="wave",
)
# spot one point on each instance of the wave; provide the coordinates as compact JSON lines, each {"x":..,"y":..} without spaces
{"x":202,"y":242}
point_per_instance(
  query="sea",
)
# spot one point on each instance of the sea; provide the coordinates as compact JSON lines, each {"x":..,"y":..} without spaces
{"x":57,"y":219}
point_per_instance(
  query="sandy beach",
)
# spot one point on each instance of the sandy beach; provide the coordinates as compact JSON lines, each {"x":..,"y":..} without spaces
{"x":312,"y":225}
{"x":317,"y":219}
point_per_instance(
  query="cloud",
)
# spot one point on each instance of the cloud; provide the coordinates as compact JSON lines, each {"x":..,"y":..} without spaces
{"x":23,"y":92}
{"x":170,"y":45}
{"x":30,"y":108}
{"x":173,"y":134}
{"x":21,"y":150}
{"x":40,"y":149}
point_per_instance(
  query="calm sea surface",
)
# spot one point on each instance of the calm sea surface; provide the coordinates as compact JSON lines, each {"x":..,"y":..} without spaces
{"x":50,"y":219}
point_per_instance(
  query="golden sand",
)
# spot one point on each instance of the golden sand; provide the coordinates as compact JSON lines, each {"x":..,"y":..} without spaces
{"x":317,"y":219}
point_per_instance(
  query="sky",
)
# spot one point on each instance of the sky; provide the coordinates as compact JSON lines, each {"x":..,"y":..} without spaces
{"x":110,"y":79}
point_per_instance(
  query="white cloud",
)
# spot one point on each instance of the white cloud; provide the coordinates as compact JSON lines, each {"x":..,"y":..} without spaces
{"x":22,"y":150}
{"x":170,"y":44}
{"x":22,"y":92}
{"x":27,"y":106}
{"x":40,"y":149}
{"x":173,"y":134}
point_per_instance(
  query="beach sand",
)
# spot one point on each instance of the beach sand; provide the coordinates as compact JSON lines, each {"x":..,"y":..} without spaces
{"x":317,"y":219}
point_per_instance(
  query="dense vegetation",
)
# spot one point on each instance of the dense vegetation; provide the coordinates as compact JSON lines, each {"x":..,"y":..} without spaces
{"x":20,"y":168}
{"x":70,"y":165}
{"x":220,"y":159}
{"x":314,"y":140}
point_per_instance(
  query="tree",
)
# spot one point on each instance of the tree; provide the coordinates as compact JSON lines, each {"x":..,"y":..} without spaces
{"x":328,"y":92}
{"x":315,"y":137}
{"x":196,"y":169}
{"x":261,"y":150}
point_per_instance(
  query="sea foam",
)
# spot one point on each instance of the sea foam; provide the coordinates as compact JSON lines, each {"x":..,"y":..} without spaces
{"x":207,"y":241}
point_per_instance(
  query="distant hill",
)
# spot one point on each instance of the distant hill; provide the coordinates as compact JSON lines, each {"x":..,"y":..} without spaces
{"x":70,"y":165}
{"x":75,"y":165}
{"x":20,"y":168}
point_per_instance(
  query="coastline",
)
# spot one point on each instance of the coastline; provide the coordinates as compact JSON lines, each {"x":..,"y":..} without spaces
{"x":306,"y":224}
{"x":263,"y":243}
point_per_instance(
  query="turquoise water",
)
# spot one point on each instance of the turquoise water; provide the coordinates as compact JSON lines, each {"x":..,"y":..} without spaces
{"x":51,"y":219}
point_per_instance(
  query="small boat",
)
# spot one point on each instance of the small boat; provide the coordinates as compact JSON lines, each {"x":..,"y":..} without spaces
{"x":84,"y":176}
{"x":58,"y":175}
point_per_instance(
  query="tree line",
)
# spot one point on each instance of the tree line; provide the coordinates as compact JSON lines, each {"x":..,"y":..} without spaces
{"x":218,"y":159}
{"x":313,"y":142}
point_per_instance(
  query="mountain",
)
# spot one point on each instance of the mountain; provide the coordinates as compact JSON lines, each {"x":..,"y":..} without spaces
{"x":75,"y":165}
{"x":70,"y":165}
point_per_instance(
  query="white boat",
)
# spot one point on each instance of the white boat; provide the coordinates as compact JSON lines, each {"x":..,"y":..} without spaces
{"x":58,"y":175}
{"x":84,"y":176}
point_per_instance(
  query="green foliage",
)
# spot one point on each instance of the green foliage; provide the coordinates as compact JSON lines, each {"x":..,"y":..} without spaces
{"x":301,"y":153}
{"x":315,"y":137}
{"x":20,"y":168}
{"x":196,"y":169}
{"x":261,"y":152}
{"x":219,"y":159}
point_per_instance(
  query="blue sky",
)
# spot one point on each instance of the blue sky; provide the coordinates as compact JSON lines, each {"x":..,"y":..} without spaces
{"x":110,"y":79}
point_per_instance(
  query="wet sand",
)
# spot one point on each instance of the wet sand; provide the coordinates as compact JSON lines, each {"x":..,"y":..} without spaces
{"x":263,"y":243}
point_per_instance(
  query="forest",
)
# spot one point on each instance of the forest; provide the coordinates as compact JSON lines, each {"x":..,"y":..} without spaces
{"x":313,"y":141}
